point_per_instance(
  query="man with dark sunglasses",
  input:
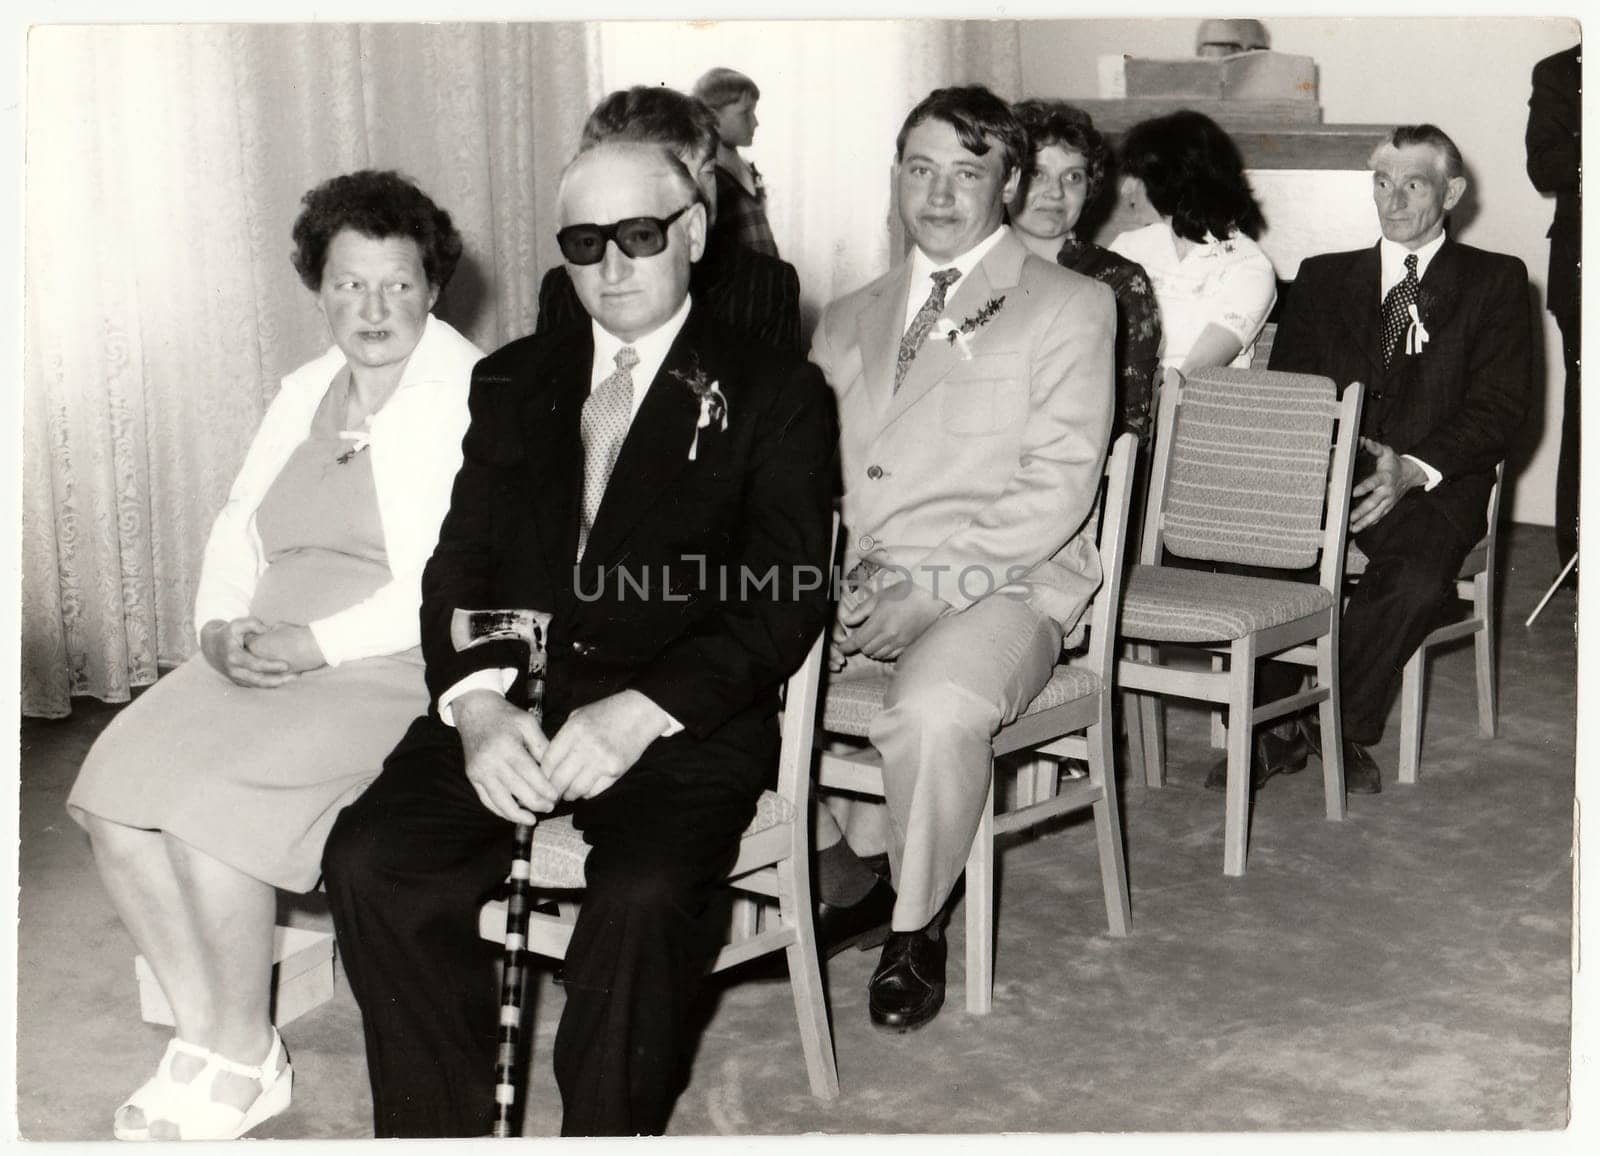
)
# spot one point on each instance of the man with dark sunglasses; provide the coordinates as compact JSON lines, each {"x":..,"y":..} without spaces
{"x":742,"y":288}
{"x":624,"y":477}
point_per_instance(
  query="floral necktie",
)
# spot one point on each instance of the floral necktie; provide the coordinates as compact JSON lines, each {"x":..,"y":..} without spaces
{"x":917,"y":332}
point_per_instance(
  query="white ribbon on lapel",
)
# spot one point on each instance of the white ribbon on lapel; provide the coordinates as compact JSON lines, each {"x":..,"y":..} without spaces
{"x":946,"y":329}
{"x":713,"y":408}
{"x":1416,"y":332}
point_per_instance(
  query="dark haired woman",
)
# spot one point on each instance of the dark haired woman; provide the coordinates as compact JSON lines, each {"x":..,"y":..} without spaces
{"x":1064,"y":177}
{"x":220,"y":783}
{"x":1182,"y":176}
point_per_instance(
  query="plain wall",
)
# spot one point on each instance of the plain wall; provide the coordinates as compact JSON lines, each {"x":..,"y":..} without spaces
{"x":1470,"y":76}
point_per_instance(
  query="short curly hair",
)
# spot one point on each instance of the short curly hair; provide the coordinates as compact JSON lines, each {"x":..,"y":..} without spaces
{"x":377,"y":204}
{"x":1193,"y":173}
{"x":1055,"y":122}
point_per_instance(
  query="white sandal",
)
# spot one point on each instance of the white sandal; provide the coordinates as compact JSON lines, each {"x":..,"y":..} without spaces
{"x":195,"y":1115}
{"x":152,"y":1096}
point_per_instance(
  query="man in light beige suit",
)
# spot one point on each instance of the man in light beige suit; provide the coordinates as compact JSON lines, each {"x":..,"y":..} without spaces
{"x":974,"y":383}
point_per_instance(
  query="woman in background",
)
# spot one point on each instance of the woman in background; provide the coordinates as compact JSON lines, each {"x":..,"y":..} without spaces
{"x":1183,"y":180}
{"x":741,"y":195}
{"x":1066,"y":174}
{"x":219,"y":784}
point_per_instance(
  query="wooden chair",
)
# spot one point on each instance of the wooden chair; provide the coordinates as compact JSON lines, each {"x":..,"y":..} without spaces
{"x":1474,"y":585}
{"x":1076,"y":699}
{"x":774,"y":863}
{"x":1242,"y":474}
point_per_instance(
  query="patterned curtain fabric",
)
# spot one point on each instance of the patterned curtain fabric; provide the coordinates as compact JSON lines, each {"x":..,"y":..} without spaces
{"x":165,"y":168}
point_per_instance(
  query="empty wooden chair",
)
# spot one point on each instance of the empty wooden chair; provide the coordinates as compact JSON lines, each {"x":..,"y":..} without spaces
{"x":1251,"y":467}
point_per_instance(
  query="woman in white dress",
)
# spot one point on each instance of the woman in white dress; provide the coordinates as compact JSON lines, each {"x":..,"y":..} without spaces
{"x":1182,"y":177}
{"x":218,"y":785}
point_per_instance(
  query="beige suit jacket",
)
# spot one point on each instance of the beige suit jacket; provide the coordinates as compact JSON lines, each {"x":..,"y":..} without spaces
{"x":979,"y":474}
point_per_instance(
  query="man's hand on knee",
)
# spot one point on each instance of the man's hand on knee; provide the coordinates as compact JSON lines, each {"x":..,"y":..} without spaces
{"x":504,"y":747}
{"x":600,"y":742}
{"x":1377,"y":493}
{"x":887,"y":621}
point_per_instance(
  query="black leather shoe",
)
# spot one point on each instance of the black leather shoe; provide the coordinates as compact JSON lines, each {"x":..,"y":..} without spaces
{"x":907,"y":989}
{"x":1272,"y":755}
{"x":1360,"y":771}
{"x":863,"y":924}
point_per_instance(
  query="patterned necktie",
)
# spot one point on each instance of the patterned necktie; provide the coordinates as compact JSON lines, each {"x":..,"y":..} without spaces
{"x":917,"y":332}
{"x":604,"y":425}
{"x":1397,"y":309}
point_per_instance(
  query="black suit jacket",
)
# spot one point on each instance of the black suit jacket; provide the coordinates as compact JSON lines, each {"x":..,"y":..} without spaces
{"x":651,"y":610}
{"x":745,"y":290}
{"x":1456,"y":404}
{"x":1554,"y":142}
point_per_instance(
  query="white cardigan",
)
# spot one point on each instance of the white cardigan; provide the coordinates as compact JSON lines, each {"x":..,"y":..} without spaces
{"x":416,"y":451}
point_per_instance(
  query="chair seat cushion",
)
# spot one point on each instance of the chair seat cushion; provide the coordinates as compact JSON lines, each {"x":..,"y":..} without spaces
{"x":559,"y":851}
{"x":851,"y":706}
{"x":1169,"y":604}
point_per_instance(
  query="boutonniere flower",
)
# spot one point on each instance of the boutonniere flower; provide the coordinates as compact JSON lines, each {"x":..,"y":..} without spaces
{"x":1416,"y":332}
{"x":360,"y":439}
{"x":713,"y":405}
{"x":957,"y":335}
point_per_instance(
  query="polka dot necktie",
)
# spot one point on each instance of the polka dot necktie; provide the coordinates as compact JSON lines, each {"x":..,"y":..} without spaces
{"x":917,"y":332}
{"x":1397,"y":309}
{"x":603,"y":426}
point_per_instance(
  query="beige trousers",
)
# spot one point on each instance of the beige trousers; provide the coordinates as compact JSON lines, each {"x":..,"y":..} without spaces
{"x":969,"y":675}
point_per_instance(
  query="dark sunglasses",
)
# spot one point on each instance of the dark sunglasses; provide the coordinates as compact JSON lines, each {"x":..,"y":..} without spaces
{"x":635,"y":236}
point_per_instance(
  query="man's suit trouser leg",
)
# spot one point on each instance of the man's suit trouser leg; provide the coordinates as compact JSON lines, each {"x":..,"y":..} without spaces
{"x":662,"y":838}
{"x":965,"y":678}
{"x":407,"y":866}
{"x":1413,"y":556}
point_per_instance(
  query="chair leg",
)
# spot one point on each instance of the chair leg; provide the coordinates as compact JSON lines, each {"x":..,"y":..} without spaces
{"x":1046,"y":776}
{"x":1151,"y":727}
{"x":980,"y":911}
{"x":805,"y":976}
{"x":1413,"y":697}
{"x":1219,"y":723}
{"x":1332,"y":727}
{"x":746,"y":917}
{"x":1483,"y":646}
{"x":1131,"y":730}
{"x":1241,"y":702}
{"x":1108,"y":826}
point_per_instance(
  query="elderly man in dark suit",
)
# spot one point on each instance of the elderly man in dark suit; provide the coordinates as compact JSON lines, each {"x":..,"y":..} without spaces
{"x":740,"y":287}
{"x":1440,"y":334}
{"x":587,"y":455}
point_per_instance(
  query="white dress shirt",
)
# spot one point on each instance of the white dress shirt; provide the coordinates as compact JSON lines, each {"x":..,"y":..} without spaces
{"x":1392,"y":270}
{"x":923,"y":269}
{"x":652,"y":349}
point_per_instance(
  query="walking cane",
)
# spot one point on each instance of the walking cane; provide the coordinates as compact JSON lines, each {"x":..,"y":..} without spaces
{"x":469,"y":628}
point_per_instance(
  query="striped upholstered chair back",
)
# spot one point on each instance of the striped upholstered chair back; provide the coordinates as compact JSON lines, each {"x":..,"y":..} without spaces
{"x":1243,"y":467}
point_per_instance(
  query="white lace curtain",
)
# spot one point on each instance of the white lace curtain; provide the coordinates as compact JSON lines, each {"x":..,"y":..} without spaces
{"x":165,"y":166}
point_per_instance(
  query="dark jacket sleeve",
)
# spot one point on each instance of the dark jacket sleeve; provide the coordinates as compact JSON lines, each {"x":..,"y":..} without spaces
{"x":1499,"y":377}
{"x":463,"y":563}
{"x":760,"y":637}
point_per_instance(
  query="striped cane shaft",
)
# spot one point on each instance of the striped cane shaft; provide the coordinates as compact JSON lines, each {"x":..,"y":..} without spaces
{"x":511,"y":982}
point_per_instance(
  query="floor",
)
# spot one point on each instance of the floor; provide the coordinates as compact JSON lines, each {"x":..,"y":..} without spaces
{"x":1407,"y":969}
